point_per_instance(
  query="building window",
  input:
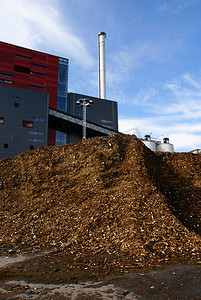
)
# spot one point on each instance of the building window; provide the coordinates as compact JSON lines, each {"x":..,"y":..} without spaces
{"x":27,"y":124}
{"x":36,"y":73}
{"x":1,"y":120}
{"x":5,"y":145}
{"x":63,"y":60}
{"x":61,"y":103}
{"x":21,"y":69}
{"x":37,"y":87}
{"x":16,"y":104}
{"x":36,"y":133}
{"x":35,"y":119}
{"x":62,"y":85}
{"x":18,"y":96}
{"x":60,"y":138}
{"x":106,"y":121}
{"x":22,"y":56}
{"x":31,"y":147}
{"x":39,"y":66}
{"x":35,"y":140}
{"x":6,"y":75}
{"x":6,"y":81}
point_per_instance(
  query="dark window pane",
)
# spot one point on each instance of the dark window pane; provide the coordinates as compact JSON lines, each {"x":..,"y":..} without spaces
{"x":21,"y":69}
{"x":39,"y":66}
{"x":37,"y":87}
{"x":27,"y":124}
{"x":22,"y":56}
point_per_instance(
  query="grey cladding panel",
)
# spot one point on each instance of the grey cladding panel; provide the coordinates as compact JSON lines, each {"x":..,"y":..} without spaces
{"x":31,"y":104}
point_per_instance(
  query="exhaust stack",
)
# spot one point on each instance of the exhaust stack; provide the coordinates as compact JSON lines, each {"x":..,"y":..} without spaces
{"x":101,"y":56}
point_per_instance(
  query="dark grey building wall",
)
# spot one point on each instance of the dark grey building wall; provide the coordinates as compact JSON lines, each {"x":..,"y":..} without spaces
{"x":23,"y":120}
{"x":102,"y":112}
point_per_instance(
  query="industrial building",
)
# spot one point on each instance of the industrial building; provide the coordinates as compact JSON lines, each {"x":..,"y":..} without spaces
{"x":37,"y":110}
{"x":35,"y":106}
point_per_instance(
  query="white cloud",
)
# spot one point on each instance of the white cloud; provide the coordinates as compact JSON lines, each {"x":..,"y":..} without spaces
{"x":145,"y":97}
{"x":178,"y":99}
{"x":144,"y":125}
{"x":186,"y":93}
{"x":36,"y":24}
{"x":185,"y":142}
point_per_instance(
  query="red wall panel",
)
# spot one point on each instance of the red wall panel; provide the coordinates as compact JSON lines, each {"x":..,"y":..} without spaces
{"x":12,"y":61}
{"x":22,"y":78}
{"x":39,"y":59}
{"x":51,"y":135}
{"x":53,"y":102}
{"x":7,"y":48}
{"x":36,"y":80}
{"x":49,"y":67}
{"x":22,"y":62}
{"x":23,"y":51}
{"x":38,"y":69}
{"x":6,"y":67}
{"x":6,"y":57}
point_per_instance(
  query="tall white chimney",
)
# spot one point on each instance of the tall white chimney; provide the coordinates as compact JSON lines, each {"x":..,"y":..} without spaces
{"x":101,"y":56}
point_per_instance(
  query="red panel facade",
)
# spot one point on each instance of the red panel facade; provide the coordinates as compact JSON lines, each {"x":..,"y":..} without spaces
{"x":33,"y":69}
{"x":29,"y":69}
{"x":51,"y":135}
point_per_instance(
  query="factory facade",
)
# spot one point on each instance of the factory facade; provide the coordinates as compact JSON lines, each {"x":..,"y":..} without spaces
{"x":35,"y":106}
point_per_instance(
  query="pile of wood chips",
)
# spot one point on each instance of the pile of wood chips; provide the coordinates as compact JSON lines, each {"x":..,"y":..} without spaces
{"x":103,"y":196}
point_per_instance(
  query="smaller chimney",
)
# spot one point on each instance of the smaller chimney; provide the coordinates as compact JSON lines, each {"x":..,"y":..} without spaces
{"x":101,"y":55}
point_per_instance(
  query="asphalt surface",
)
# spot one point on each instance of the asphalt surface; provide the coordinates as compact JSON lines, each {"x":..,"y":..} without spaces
{"x":173,"y":283}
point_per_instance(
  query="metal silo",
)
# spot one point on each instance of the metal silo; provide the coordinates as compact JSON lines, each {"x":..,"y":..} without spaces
{"x":165,"y":146}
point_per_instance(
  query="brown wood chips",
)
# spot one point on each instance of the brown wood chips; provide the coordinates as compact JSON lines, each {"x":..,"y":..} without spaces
{"x":106,"y":195}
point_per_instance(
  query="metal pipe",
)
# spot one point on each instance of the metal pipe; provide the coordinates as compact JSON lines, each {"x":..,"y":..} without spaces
{"x":101,"y":55}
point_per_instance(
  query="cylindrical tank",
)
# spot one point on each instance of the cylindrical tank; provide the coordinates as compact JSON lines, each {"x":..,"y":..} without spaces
{"x":150,"y":144}
{"x":165,"y":146}
{"x":101,"y":54}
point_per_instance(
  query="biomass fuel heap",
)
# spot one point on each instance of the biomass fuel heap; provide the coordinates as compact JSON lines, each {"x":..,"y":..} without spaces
{"x":103,"y":196}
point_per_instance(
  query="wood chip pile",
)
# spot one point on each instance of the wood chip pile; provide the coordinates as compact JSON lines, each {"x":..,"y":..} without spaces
{"x":105,"y":195}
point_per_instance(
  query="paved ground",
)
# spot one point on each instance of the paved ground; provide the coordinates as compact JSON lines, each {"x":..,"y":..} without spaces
{"x":175,"y":282}
{"x":172,"y":282}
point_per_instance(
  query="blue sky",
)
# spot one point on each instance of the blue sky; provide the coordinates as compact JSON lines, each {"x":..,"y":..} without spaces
{"x":153,"y":57}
